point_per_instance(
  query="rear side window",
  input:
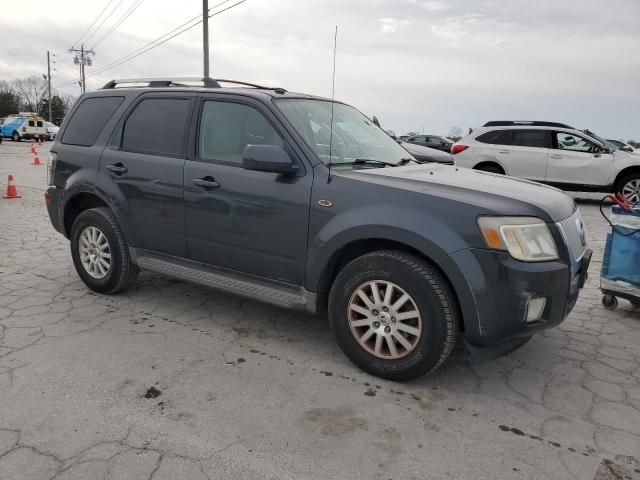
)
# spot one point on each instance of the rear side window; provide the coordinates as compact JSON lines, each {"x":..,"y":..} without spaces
{"x":531,"y":138}
{"x":32,"y":123}
{"x":157,"y":126}
{"x":89,"y":119}
{"x":497,"y":137}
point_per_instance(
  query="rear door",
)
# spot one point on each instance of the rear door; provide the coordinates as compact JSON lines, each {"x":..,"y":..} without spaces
{"x":248,"y":221}
{"x":575,"y":160}
{"x":528,"y":154}
{"x":143,"y":169}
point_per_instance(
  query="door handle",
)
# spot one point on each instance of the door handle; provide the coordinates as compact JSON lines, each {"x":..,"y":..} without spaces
{"x":504,"y":151}
{"x":117,"y":169}
{"x":206,"y":182}
{"x":556,"y":156}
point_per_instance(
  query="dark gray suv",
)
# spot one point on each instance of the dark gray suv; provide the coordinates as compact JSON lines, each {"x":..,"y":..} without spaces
{"x":304,"y":203}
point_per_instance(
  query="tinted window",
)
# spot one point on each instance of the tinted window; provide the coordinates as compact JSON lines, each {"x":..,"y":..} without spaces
{"x":497,"y":137}
{"x":157,"y":126}
{"x":227,"y":128}
{"x":530,"y":138}
{"x":89,"y":119}
{"x":569,"y":141}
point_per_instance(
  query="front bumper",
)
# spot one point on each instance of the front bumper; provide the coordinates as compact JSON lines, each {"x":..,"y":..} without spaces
{"x":52,"y":199}
{"x":494,"y":291}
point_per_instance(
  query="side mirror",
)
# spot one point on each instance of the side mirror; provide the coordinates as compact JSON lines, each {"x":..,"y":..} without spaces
{"x":268,"y":158}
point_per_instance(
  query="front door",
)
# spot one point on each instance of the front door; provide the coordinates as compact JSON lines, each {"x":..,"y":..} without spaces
{"x":143,"y":169}
{"x":578,"y":161}
{"x":248,"y":221}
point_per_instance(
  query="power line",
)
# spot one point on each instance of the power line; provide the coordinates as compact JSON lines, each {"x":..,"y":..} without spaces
{"x":92,"y":23}
{"x":103,"y":21}
{"x":119,"y":22}
{"x":156,"y":43}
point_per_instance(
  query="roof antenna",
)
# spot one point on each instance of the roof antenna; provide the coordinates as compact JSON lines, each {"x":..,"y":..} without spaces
{"x":333,"y":92}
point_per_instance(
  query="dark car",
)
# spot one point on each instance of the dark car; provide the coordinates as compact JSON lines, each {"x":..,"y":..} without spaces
{"x":426,"y":154}
{"x":304,"y":203}
{"x":431,"y":141}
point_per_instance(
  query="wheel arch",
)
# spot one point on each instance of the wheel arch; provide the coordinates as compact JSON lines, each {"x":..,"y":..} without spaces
{"x":490,"y":163}
{"x":356,"y":248}
{"x":78,"y":203}
{"x":623,"y":173}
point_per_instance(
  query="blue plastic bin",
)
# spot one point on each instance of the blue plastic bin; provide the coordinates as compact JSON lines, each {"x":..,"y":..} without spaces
{"x":621,"y":261}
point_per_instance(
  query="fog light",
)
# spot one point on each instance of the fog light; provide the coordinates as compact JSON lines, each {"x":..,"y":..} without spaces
{"x":535,"y":308}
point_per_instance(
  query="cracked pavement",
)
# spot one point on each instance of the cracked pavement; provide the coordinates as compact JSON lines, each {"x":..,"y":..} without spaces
{"x":170,"y":380}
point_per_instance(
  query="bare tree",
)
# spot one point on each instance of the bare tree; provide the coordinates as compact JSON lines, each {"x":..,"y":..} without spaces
{"x":455,"y":133}
{"x":31,"y":90}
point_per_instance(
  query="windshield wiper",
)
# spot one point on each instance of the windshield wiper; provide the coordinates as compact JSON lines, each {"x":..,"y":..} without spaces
{"x":361,"y":161}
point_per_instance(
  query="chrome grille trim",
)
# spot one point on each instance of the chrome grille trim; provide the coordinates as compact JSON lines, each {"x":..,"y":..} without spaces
{"x":572,"y":235}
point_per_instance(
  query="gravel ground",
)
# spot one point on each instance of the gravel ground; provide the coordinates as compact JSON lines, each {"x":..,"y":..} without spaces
{"x":174,"y":381}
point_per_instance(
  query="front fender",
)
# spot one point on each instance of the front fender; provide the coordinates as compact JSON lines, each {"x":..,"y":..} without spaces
{"x":413,"y":227}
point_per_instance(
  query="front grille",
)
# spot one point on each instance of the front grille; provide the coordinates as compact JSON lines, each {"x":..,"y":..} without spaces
{"x":574,"y":234}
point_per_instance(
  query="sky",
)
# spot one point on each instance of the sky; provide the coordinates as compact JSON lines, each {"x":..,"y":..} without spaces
{"x":418,"y":65}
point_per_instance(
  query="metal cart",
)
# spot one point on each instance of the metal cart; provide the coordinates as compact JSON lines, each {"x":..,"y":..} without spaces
{"x":620,"y":274}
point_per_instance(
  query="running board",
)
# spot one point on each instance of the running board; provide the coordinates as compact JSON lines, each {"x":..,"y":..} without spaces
{"x":287,"y":297}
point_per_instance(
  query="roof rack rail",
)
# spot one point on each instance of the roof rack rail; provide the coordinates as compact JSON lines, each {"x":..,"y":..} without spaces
{"x":179,"y":82}
{"x":524,"y":123}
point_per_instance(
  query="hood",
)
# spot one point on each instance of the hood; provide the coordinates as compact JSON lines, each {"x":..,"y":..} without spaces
{"x":497,"y":194}
{"x":426,"y":154}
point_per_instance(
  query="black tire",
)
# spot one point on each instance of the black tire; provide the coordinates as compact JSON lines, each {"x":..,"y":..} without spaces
{"x":630,"y":177}
{"x":609,"y":302}
{"x":15,"y":137}
{"x":490,"y":169}
{"x":122,"y":271}
{"x":432,"y":297}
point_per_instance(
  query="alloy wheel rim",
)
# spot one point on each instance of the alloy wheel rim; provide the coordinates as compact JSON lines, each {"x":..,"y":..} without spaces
{"x":631,"y":191}
{"x":95,"y":252}
{"x":384,"y":319}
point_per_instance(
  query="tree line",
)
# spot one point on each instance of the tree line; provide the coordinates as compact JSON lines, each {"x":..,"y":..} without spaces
{"x":30,"y":94}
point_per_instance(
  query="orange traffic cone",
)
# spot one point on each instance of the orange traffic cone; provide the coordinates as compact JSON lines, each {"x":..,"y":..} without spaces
{"x":36,"y":160}
{"x":12,"y":191}
{"x":33,"y":148}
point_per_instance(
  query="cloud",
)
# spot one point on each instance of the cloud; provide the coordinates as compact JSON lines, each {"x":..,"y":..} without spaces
{"x":391,"y":25}
{"x":431,"y":6}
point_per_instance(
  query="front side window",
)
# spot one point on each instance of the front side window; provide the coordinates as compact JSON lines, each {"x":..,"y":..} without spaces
{"x":227,"y":128}
{"x":157,"y":126}
{"x":530,"y":138}
{"x":350,"y":139}
{"x":569,"y":141}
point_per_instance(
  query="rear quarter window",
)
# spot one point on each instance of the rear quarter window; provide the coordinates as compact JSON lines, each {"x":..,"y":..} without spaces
{"x":89,"y":119}
{"x":496,"y":137}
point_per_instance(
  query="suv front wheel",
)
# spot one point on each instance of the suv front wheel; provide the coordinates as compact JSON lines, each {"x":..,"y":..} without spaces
{"x":629,"y":187}
{"x":100,"y":253}
{"x":393,"y":315}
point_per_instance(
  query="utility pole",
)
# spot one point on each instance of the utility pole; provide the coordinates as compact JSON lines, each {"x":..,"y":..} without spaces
{"x":49,"y":82}
{"x":205,"y":36}
{"x":82,"y":60}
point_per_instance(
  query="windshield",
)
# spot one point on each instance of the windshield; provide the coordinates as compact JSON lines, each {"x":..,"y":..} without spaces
{"x":604,"y":142}
{"x":355,"y":139}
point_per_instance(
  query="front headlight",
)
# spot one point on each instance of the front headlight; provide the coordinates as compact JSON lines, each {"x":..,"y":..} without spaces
{"x":525,"y":238}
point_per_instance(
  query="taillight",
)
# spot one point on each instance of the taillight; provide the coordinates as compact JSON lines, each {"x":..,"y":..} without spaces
{"x":51,"y":167}
{"x":455,"y":149}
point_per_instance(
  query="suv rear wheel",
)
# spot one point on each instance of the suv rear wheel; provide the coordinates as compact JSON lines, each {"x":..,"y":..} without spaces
{"x":629,"y":187}
{"x":100,"y":253}
{"x":393,"y":315}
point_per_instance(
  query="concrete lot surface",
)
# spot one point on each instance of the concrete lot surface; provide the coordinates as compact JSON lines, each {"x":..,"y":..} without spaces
{"x":174,"y":381}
